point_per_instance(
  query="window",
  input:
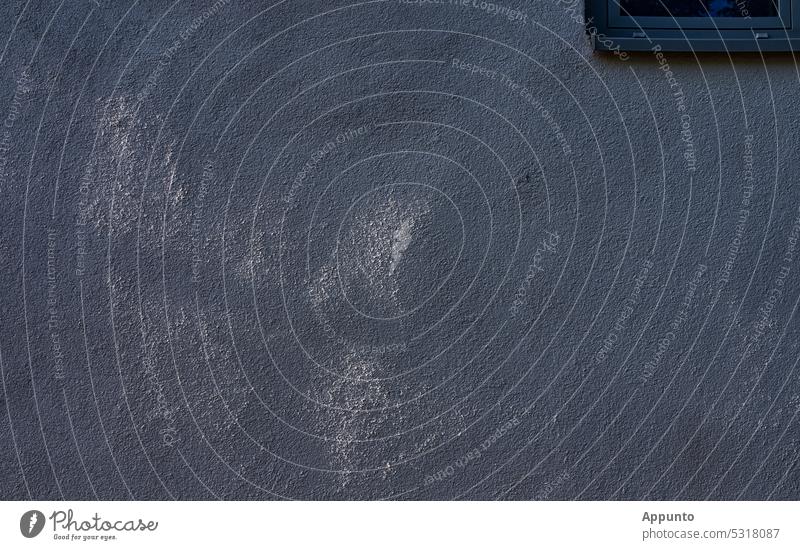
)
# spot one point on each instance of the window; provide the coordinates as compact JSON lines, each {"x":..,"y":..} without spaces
{"x":694,"y":25}
{"x":723,"y":9}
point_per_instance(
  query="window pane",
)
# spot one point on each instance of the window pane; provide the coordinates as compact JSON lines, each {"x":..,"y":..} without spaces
{"x":699,"y":8}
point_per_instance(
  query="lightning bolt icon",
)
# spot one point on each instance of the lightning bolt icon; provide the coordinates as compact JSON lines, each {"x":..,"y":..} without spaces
{"x":34,"y":521}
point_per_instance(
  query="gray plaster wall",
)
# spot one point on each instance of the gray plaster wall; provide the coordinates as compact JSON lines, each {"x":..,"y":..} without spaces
{"x":389,"y":249}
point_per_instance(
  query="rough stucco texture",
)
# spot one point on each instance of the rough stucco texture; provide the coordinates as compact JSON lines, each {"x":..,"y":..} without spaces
{"x":337,"y":250}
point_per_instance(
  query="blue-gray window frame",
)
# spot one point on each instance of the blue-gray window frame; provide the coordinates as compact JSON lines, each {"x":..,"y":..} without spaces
{"x":611,"y":31}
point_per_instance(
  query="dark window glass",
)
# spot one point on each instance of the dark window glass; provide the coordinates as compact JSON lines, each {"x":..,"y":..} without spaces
{"x":699,"y":8}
